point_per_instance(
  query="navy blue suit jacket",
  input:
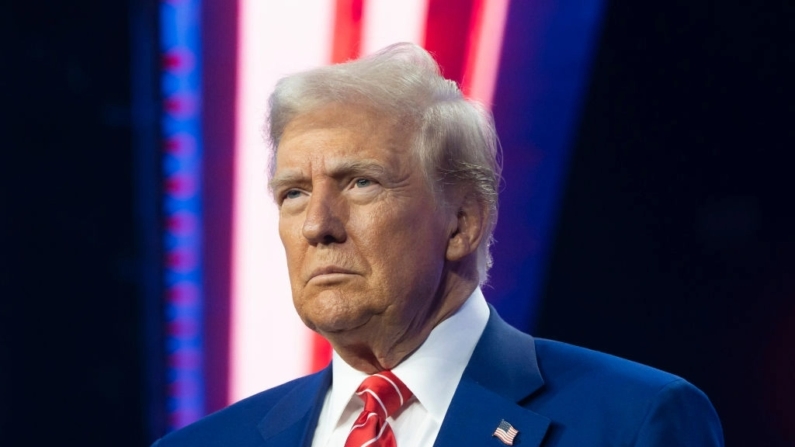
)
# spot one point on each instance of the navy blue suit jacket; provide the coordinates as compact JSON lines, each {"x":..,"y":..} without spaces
{"x":555,"y":394}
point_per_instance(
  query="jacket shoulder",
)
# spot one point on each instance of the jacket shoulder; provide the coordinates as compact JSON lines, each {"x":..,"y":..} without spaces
{"x":624,"y":402}
{"x":235,"y":424}
{"x":565,"y":364}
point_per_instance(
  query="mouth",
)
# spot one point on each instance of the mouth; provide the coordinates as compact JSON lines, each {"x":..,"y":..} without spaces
{"x":329,"y":272}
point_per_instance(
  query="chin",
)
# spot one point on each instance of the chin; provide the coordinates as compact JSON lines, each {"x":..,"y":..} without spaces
{"x":333,"y":311}
{"x":331,"y":325}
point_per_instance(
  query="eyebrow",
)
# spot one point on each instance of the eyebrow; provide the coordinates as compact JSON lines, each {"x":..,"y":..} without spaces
{"x":280,"y":180}
{"x":347,"y":167}
{"x":338,"y":169}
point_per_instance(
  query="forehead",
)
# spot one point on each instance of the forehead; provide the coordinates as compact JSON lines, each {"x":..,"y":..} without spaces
{"x":343,"y":133}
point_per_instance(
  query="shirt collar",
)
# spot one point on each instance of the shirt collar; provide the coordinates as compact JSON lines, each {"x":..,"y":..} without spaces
{"x":433,"y":371}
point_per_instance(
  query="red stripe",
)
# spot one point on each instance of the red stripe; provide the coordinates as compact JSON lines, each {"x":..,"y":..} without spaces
{"x":321,"y":352}
{"x":448,"y":34}
{"x":475,"y":28}
{"x":347,"y":43}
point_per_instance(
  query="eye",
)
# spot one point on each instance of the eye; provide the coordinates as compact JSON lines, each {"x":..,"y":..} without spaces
{"x":292,"y":194}
{"x":362,"y":182}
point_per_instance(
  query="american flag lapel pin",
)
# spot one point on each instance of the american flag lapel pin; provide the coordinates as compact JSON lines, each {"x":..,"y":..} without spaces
{"x":505,"y":432}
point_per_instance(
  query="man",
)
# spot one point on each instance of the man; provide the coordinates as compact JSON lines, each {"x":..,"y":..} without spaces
{"x":386,"y":181}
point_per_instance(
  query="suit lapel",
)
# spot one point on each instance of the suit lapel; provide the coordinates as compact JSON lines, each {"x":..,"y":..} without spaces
{"x":475,"y":413}
{"x":502,"y":372}
{"x":292,"y":421}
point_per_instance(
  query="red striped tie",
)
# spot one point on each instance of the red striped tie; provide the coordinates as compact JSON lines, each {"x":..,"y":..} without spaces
{"x":383,"y":394}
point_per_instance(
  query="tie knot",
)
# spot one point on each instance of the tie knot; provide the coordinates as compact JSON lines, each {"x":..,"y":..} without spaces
{"x":383,"y":393}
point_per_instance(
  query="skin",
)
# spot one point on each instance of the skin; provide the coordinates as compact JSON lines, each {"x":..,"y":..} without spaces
{"x":375,"y":261}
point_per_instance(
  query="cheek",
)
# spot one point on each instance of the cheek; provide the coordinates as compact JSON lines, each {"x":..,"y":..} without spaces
{"x":402,"y":242}
{"x":290,"y":235}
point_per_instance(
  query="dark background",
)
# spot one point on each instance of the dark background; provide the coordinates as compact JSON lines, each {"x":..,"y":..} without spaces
{"x":71,"y":336}
{"x":674,"y":246}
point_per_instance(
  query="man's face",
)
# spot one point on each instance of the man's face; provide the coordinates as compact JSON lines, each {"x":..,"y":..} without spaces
{"x":364,"y":238}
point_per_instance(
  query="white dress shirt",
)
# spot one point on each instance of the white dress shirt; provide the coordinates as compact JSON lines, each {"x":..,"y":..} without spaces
{"x":432,"y":373}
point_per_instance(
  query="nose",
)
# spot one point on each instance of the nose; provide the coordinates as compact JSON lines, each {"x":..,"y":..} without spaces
{"x":323,"y":223}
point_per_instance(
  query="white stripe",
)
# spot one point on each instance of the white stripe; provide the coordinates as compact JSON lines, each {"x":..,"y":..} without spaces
{"x":376,"y":398}
{"x":388,"y":21}
{"x":363,"y":423}
{"x":262,"y":58}
{"x":393,"y":384}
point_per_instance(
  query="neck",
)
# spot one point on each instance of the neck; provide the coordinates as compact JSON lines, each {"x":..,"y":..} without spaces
{"x":377,"y":346}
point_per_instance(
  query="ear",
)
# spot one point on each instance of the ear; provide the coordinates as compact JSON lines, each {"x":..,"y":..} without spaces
{"x":469,"y":226}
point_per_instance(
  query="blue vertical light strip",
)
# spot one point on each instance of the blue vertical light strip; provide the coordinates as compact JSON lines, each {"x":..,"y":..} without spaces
{"x":182,"y":162}
{"x":545,"y":64}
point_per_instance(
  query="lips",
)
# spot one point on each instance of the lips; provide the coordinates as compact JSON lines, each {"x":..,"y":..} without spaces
{"x":329,"y":270}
